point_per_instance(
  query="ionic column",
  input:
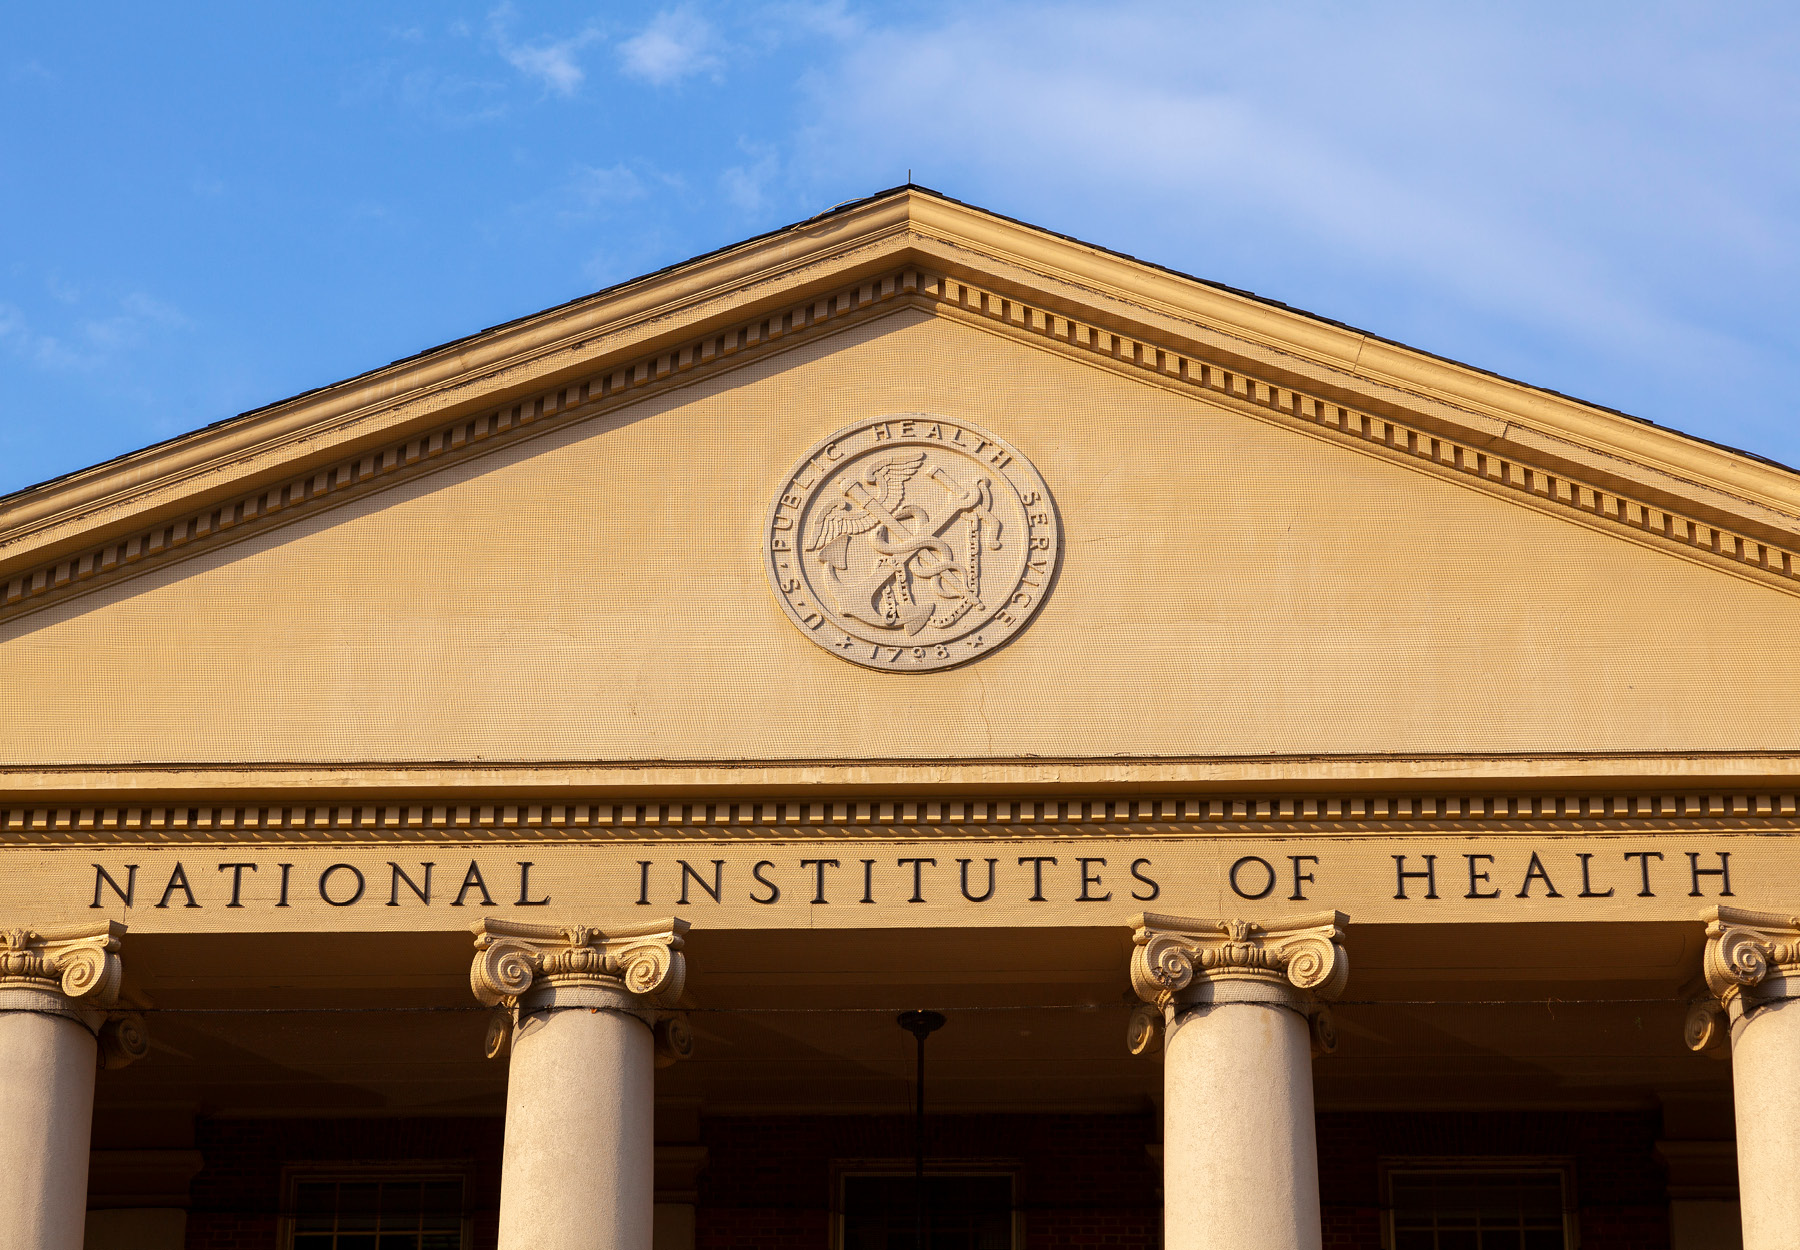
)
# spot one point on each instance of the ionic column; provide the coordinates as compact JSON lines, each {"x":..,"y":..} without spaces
{"x":583,"y":1013}
{"x":1236,"y":1007}
{"x":1752,"y":966}
{"x":55,"y":987}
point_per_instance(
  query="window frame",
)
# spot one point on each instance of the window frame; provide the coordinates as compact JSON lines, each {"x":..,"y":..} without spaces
{"x":1562,"y":1165}
{"x":843,"y":1169}
{"x":293,"y":1175}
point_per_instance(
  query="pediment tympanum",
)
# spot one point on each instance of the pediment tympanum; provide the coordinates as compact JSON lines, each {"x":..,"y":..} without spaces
{"x":1266,"y":536}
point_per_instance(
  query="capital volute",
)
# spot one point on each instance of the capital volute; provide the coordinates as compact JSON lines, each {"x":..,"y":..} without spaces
{"x":1751,"y":957}
{"x":636,"y":968}
{"x":76,"y":969}
{"x":642,"y":960}
{"x":1178,"y":961}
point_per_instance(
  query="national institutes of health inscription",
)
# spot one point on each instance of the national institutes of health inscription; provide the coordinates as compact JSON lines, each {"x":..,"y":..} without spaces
{"x":912,"y":543}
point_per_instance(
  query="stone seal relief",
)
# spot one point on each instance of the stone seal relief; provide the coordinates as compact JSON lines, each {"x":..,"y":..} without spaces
{"x":912,"y":542}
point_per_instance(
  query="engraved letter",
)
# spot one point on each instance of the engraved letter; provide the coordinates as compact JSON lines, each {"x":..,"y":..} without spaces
{"x":237,"y":880}
{"x":1643,"y":858}
{"x":819,"y":866}
{"x":178,"y":881}
{"x":103,"y":877}
{"x":472,"y":881}
{"x":774,"y":890}
{"x":1155,"y":889}
{"x":525,"y":899}
{"x":1587,"y":887}
{"x":1037,"y":863}
{"x":423,"y":891}
{"x":1723,"y":872}
{"x":1475,"y":879}
{"x":973,"y":898}
{"x":1401,"y":876}
{"x":1299,"y":895}
{"x":325,"y":883}
{"x":718,"y":882}
{"x":1268,"y":881}
{"x":1091,"y":878}
{"x":1535,"y":872}
{"x":918,"y":867}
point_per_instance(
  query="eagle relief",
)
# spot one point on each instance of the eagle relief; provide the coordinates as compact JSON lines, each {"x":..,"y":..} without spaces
{"x":912,"y":542}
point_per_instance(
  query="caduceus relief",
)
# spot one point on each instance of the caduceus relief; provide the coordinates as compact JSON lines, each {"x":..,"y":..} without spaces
{"x":918,"y":569}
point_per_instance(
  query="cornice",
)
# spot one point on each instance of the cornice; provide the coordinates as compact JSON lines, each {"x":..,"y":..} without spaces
{"x":1670,"y":773}
{"x":1280,"y":335}
{"x":205,"y":821}
{"x":631,"y":313}
{"x":1762,"y":544}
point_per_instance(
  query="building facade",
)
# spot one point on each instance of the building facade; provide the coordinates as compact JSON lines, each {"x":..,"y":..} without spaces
{"x":1332,"y":796}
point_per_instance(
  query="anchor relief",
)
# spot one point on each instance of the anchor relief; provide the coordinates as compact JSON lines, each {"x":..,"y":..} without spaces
{"x":912,"y":542}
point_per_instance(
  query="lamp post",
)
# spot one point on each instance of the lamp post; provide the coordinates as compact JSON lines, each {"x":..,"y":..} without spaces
{"x":921,"y":1024}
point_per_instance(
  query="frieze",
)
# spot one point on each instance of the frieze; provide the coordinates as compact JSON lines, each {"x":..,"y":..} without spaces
{"x":1033,"y":881}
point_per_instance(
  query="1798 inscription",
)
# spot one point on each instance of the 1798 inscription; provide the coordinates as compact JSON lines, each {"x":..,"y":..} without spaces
{"x":912,"y":543}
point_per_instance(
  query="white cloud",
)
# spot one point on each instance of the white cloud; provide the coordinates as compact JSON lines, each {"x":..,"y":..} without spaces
{"x":746,"y":186}
{"x":598,"y":188}
{"x":90,"y":343}
{"x":678,"y":43}
{"x":1467,"y":156}
{"x":551,"y":63}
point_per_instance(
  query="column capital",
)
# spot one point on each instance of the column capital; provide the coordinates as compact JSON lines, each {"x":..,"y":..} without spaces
{"x":1180,"y":962}
{"x":73,"y":972}
{"x":637,"y":968}
{"x":1751,"y":957}
{"x":513,"y":959}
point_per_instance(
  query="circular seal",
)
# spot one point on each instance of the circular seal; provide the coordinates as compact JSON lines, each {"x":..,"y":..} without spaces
{"x":911,"y":542}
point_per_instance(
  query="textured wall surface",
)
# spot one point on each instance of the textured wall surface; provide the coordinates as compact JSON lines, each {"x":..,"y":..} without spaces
{"x":595,"y":593}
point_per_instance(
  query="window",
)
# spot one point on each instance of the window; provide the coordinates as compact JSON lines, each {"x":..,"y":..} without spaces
{"x":971,"y":1211}
{"x":363,"y":1212}
{"x":1488,"y":1205}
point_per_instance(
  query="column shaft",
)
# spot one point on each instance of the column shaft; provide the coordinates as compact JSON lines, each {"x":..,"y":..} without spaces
{"x":1765,"y":1076}
{"x":1240,"y":1155}
{"x":579,"y":1172}
{"x":1236,"y":1006}
{"x":47,"y":1067}
{"x":577,"y":1005}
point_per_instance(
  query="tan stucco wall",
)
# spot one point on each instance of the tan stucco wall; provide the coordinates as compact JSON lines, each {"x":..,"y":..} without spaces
{"x":1227,"y":588}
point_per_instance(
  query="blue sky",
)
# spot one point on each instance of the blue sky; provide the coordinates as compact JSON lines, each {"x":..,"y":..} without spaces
{"x":210,"y":207}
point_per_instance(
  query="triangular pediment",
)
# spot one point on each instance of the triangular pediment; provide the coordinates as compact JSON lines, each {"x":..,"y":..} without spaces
{"x":1272,"y":535}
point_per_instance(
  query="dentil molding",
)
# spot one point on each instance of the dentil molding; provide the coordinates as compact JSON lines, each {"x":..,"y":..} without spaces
{"x":520,"y":968}
{"x":1178,"y":961}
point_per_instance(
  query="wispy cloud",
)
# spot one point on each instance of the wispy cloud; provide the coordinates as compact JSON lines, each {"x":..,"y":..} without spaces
{"x":599,"y":188}
{"x":1468,"y":156}
{"x":552,"y":63}
{"x":89,"y":342}
{"x":746,"y":186}
{"x":678,"y":43}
